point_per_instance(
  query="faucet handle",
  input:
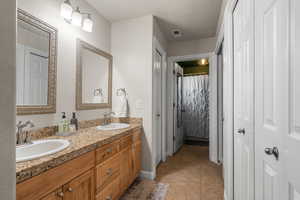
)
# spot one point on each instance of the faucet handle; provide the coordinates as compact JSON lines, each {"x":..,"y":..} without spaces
{"x":27,"y":137}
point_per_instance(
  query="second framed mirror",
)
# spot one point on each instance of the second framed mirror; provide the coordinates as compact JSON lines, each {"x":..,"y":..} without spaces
{"x":93,"y":77}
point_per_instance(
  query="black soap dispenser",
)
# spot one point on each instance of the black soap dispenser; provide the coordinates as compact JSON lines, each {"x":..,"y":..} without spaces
{"x":74,"y":121}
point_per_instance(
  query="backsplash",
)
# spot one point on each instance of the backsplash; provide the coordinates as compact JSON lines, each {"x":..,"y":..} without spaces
{"x":40,"y":133}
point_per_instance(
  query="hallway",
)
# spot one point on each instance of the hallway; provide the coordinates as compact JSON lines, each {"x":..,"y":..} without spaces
{"x":191,"y":176}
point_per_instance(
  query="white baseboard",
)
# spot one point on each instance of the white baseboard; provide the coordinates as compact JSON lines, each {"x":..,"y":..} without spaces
{"x":147,"y":175}
{"x":225,"y":195}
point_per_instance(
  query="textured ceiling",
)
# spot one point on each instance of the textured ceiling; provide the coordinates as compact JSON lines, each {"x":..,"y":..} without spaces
{"x":195,"y":18}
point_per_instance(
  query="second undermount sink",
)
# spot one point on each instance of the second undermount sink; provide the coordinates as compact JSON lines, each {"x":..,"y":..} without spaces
{"x":40,"y":148}
{"x":113,"y":126}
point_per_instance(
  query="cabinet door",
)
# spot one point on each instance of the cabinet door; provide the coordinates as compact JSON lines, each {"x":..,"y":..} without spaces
{"x":57,"y":195}
{"x":137,"y":150}
{"x":80,"y":188}
{"x":126,"y":168}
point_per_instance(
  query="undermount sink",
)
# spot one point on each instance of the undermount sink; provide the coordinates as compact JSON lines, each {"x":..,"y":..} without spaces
{"x":40,"y":148}
{"x":113,"y":126}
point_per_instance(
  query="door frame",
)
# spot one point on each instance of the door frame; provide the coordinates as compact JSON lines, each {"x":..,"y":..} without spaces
{"x":158,"y":47}
{"x":171,"y":86}
{"x":226,"y":33}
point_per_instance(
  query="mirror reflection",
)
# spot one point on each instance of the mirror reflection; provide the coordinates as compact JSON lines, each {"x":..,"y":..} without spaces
{"x":32,"y":64}
{"x":95,"y":77}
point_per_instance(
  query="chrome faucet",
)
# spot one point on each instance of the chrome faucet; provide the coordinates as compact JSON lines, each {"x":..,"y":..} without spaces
{"x":107,"y":118}
{"x":20,"y":133}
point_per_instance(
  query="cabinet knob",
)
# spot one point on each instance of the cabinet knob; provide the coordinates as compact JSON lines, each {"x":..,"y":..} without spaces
{"x":70,"y":189}
{"x":108,"y":198}
{"x":60,"y":194}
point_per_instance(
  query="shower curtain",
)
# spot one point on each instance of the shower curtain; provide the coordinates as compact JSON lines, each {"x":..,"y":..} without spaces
{"x":196,"y":107}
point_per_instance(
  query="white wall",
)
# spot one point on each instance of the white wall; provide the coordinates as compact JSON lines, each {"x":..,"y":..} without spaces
{"x":131,"y":46}
{"x":49,"y":11}
{"x":192,"y":47}
{"x":7,"y":99}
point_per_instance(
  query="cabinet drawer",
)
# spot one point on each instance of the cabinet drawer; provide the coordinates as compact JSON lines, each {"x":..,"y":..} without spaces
{"x":125,"y":142}
{"x":107,"y":171}
{"x":111,"y":191}
{"x":107,"y":151}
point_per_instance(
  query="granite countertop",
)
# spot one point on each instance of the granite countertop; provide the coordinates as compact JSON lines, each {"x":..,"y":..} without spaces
{"x":83,"y":141}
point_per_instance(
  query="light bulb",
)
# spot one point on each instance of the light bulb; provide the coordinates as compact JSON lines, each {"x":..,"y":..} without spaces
{"x":66,"y":10}
{"x":88,"y":24}
{"x":76,"y":17}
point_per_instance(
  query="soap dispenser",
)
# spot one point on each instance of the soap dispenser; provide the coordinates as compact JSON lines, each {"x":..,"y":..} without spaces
{"x":74,"y":122}
{"x":62,"y":123}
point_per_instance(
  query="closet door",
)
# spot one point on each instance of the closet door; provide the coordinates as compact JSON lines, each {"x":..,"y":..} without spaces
{"x":277,"y":100}
{"x":243,"y":100}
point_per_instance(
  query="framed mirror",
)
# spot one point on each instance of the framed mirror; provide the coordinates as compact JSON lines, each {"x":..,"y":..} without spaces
{"x":35,"y":65}
{"x":94,"y":77}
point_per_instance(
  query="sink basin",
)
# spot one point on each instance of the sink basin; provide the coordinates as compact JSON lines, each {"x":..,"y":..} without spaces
{"x":40,"y":148}
{"x":113,"y":126}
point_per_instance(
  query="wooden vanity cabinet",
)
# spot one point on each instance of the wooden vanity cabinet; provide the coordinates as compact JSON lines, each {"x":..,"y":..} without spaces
{"x":102,"y":174}
{"x":56,"y":195}
{"x":81,"y":188}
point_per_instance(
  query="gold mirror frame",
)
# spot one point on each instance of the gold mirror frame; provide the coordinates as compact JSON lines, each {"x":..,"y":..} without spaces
{"x":91,"y":106}
{"x":51,"y":101}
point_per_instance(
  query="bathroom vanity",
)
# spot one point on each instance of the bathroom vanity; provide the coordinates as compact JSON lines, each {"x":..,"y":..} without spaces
{"x":92,"y":164}
{"x":98,"y":165}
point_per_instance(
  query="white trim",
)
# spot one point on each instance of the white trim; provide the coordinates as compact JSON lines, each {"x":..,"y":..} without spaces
{"x":213,"y":109}
{"x":220,"y":38}
{"x":228,"y":100}
{"x":170,"y":81}
{"x":158,"y":46}
{"x":147,"y":175}
{"x":225,"y":196}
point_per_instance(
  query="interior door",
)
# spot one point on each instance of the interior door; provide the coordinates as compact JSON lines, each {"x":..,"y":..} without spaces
{"x":277,"y":99}
{"x":36,"y":77}
{"x":243,"y":101}
{"x":158,"y":104}
{"x":178,"y":120}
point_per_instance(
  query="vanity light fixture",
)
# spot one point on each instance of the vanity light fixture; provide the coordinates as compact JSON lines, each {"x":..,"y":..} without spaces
{"x":66,"y":10}
{"x":88,"y":23}
{"x":75,"y":17}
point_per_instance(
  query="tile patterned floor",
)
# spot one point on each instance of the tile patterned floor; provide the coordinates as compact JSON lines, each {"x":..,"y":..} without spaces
{"x":191,"y":176}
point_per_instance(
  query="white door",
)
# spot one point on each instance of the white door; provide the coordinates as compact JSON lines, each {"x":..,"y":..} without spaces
{"x":36,"y":77}
{"x":277,"y":99}
{"x":178,"y":122}
{"x":243,"y":101}
{"x":158,"y":104}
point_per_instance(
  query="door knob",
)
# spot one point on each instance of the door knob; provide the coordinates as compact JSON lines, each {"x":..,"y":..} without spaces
{"x":241,"y":131}
{"x":157,"y":115}
{"x":272,"y":151}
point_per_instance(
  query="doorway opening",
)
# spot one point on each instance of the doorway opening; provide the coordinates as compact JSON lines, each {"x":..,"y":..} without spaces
{"x":195,"y":112}
{"x":193,"y":102}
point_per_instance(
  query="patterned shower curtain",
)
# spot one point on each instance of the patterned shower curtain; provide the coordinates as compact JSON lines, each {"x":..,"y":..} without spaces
{"x":196,"y":107}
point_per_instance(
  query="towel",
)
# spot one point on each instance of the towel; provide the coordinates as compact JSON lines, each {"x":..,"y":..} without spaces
{"x":121,"y":106}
